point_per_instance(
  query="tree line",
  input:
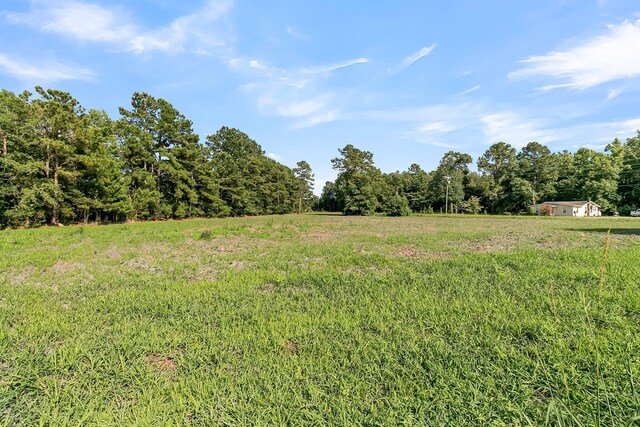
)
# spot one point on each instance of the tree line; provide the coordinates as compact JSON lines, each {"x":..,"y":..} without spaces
{"x":507,"y":181}
{"x":63,"y":164}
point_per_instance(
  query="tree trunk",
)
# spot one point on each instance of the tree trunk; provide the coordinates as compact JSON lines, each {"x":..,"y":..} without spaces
{"x":300,"y":205}
{"x":158,"y":175}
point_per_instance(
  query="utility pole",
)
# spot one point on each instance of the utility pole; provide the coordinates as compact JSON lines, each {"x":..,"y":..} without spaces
{"x":446,"y":197}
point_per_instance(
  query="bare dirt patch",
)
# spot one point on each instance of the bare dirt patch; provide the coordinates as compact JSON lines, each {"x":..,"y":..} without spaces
{"x":205,"y":273}
{"x":412,"y":252}
{"x":320,"y":236}
{"x":20,"y":277}
{"x":53,"y":346}
{"x":154,"y":249}
{"x":145,"y":264}
{"x":63,"y":267}
{"x":221,"y":245}
{"x":290,"y":347}
{"x":266,"y":289}
{"x":237,"y":265}
{"x":163,"y":364}
{"x":369,"y":233}
{"x":113,"y":253}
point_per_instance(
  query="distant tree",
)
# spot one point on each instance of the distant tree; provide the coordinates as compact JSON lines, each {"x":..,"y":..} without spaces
{"x":101,"y":187}
{"x":304,"y":177}
{"x":537,"y":167}
{"x":234,"y":157}
{"x":452,"y":172}
{"x":329,"y":199}
{"x":629,"y":182}
{"x":417,"y":188}
{"x":359,"y":182}
{"x":250,"y":182}
{"x":567,"y":186}
{"x":481,"y":187}
{"x":519,"y":198}
{"x":499,"y":163}
{"x":25,"y":196}
{"x":161,"y":154}
{"x":597,"y":177}
{"x":59,"y":122}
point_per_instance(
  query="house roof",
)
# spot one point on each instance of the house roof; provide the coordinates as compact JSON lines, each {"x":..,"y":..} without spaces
{"x":575,"y":204}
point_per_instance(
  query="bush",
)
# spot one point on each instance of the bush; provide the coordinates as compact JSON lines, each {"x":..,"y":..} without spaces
{"x":544,"y":211}
{"x":472,"y":205}
{"x":397,"y":206}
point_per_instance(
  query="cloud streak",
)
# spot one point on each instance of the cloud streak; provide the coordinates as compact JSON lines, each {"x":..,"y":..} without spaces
{"x":89,"y":22}
{"x":514,"y":128}
{"x":43,"y":73}
{"x":599,"y":60}
{"x":412,"y":59}
{"x":334,"y":67}
{"x":468,"y":91}
{"x":297,"y":94}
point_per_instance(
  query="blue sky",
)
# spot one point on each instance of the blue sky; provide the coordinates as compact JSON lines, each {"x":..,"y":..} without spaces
{"x":407,"y":80}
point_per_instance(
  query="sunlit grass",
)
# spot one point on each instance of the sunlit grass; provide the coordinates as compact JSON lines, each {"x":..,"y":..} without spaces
{"x":321,"y":320}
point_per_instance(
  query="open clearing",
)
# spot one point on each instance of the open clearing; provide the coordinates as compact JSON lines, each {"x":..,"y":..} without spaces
{"x":321,"y":320}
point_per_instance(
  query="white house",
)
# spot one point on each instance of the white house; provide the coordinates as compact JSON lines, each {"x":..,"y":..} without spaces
{"x":579,"y":208}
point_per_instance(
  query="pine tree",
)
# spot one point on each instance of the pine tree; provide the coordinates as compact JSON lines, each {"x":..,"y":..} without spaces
{"x":304,"y":177}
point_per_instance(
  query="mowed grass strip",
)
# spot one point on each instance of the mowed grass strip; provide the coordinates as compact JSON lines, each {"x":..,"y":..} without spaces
{"x":321,"y":320}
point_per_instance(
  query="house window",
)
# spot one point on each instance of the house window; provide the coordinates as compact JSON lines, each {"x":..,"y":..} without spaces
{"x":564,"y":210}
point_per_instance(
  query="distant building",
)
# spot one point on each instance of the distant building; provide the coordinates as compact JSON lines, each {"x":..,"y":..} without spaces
{"x":579,"y":208}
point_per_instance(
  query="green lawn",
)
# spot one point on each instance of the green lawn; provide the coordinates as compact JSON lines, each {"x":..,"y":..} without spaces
{"x":321,"y":320}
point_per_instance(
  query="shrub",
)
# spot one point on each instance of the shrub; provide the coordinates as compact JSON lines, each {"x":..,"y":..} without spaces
{"x":544,"y":211}
{"x":397,"y":206}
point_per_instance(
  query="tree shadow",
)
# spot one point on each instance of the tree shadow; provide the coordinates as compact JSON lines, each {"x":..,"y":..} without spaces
{"x":618,"y":231}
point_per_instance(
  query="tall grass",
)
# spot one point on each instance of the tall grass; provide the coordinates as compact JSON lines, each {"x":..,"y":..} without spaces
{"x":322,"y":320}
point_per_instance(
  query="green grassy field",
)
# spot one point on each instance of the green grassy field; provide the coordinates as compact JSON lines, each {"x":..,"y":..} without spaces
{"x":321,"y":320}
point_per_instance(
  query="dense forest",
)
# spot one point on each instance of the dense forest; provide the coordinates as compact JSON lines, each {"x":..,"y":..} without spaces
{"x":507,"y":181}
{"x":63,"y":164}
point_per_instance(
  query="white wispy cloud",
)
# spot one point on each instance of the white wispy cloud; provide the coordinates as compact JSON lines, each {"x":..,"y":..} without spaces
{"x":413,"y":58}
{"x":613,"y":94}
{"x":515,"y":128}
{"x":436,"y":143}
{"x":295,"y":93}
{"x":293,"y":108}
{"x":90,"y":22}
{"x":317,"y":119}
{"x":334,"y":67}
{"x":601,"y":59}
{"x":595,"y":135}
{"x":478,"y":124}
{"x":84,"y":21}
{"x":44,"y":72}
{"x":274,"y":156}
{"x":468,"y":91}
{"x":437,"y":118}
